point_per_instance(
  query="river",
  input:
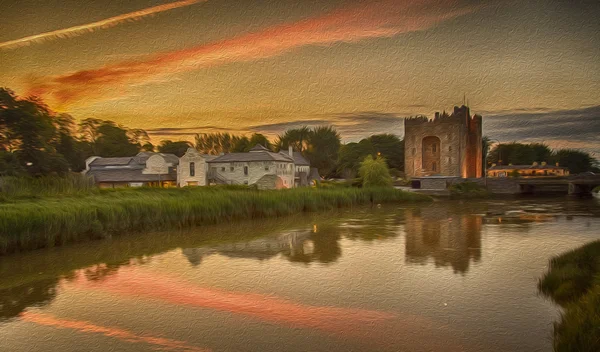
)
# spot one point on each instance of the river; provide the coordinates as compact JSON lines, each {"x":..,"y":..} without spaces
{"x":445,"y":276}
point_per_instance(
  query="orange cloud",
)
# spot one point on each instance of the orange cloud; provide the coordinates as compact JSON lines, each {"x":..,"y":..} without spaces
{"x":124,"y":335}
{"x":378,"y":19}
{"x":91,"y":27}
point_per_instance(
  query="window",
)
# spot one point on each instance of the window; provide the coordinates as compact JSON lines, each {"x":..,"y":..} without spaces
{"x":449,"y":148}
{"x":414,"y":152}
{"x":192,"y":169}
{"x":231,"y":168}
{"x":266,"y":168}
{"x":223,"y":169}
{"x":433,"y":148}
{"x":434,"y":166}
{"x":245,"y":182}
{"x":246,"y":170}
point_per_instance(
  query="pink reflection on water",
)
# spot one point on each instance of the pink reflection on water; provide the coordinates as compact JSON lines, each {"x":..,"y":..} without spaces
{"x":139,"y":283}
{"x":159,"y":343}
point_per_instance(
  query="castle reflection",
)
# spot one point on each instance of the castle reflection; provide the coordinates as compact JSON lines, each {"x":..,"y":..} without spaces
{"x":450,"y":239}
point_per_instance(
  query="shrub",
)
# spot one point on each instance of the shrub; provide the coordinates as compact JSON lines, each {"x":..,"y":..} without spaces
{"x":375,"y":172}
{"x":467,"y":190}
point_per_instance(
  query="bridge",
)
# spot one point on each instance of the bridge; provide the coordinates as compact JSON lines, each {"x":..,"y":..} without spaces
{"x":572,"y":185}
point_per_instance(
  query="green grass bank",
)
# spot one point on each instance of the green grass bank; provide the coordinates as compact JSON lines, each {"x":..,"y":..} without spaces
{"x":28,"y":224}
{"x":573,"y":281}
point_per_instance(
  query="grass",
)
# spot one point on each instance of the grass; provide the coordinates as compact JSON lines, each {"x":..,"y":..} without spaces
{"x":12,"y":188}
{"x":27,"y":224}
{"x":573,"y":281}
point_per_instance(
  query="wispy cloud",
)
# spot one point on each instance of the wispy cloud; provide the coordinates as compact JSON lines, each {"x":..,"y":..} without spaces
{"x":385,"y":18}
{"x":160,"y":343}
{"x":91,"y":27}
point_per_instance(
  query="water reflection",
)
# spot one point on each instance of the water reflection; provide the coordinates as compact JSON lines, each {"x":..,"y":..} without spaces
{"x":14,"y":300}
{"x":451,"y":239}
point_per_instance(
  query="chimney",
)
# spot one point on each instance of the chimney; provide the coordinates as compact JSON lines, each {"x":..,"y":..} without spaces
{"x":290,"y":151}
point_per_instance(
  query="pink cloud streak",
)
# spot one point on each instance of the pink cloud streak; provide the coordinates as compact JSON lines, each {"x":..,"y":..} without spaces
{"x":91,"y":27}
{"x":379,"y":19}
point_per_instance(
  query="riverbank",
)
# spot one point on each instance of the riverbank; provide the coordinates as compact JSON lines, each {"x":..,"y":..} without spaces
{"x":28,"y":224}
{"x":573,"y":281}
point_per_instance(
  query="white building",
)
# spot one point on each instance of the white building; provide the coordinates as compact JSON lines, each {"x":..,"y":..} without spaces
{"x":259,"y":166}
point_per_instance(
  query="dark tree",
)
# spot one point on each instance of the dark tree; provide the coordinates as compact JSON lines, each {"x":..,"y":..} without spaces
{"x":178,"y":148}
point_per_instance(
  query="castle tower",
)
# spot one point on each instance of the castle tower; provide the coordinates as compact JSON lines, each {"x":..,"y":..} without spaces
{"x":447,"y":145}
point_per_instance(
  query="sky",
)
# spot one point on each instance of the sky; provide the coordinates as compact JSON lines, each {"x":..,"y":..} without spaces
{"x":177,"y":68}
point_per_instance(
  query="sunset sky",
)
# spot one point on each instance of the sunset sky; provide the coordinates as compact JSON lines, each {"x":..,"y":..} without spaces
{"x":177,"y":68}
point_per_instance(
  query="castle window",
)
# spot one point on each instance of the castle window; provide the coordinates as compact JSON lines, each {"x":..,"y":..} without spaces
{"x":223,"y":169}
{"x":433,"y":148}
{"x":414,"y":152}
{"x":433,"y":166}
{"x":192,"y":169}
{"x":246,"y":170}
{"x":231,"y":168}
{"x":449,"y":148}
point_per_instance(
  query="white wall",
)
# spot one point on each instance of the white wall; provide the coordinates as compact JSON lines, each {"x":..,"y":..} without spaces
{"x":256,"y":170}
{"x":184,"y":176}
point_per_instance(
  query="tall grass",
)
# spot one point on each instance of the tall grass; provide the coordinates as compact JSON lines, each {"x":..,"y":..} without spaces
{"x":29,"y":187}
{"x":573,"y":281}
{"x":28,"y":225}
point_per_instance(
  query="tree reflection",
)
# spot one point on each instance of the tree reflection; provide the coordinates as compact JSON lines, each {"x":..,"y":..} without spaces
{"x":15,"y":300}
{"x":449,"y":238}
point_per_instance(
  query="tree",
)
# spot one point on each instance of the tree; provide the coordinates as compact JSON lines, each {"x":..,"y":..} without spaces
{"x":350,"y":156}
{"x":113,"y":141}
{"x":258,"y":138}
{"x":520,"y":154}
{"x":575,"y":160}
{"x":391,"y":148}
{"x":375,"y":172}
{"x":178,"y":148}
{"x":215,"y":143}
{"x":323,"y":147}
{"x":298,"y":138}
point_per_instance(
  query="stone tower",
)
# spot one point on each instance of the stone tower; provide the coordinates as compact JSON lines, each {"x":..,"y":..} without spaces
{"x":448,"y":145}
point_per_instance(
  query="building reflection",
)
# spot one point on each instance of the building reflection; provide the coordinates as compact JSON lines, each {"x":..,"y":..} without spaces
{"x":450,"y":239}
{"x":305,"y":245}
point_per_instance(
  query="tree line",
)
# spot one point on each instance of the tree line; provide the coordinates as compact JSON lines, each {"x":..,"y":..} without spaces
{"x":576,"y":161}
{"x":35,"y":141}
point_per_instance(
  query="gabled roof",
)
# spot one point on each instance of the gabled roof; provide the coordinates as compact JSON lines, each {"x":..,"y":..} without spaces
{"x":254,"y":156}
{"x":259,"y":148}
{"x":299,"y":159}
{"x":120,"y":161}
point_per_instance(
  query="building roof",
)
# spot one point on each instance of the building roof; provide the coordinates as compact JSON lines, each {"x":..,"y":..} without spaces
{"x":526,"y":167}
{"x":299,"y":159}
{"x":259,"y":148}
{"x":138,"y":161}
{"x":130,"y":175}
{"x":121,"y":161}
{"x":258,"y":153}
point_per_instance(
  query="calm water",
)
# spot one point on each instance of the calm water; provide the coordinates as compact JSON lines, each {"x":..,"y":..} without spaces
{"x":448,"y":276}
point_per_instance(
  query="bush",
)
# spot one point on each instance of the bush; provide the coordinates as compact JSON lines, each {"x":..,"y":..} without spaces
{"x":467,"y":190}
{"x":573,"y":281}
{"x":375,"y":172}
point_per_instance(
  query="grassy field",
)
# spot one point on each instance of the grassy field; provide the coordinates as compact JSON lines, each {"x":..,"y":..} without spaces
{"x":27,"y":224}
{"x":573,"y":281}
